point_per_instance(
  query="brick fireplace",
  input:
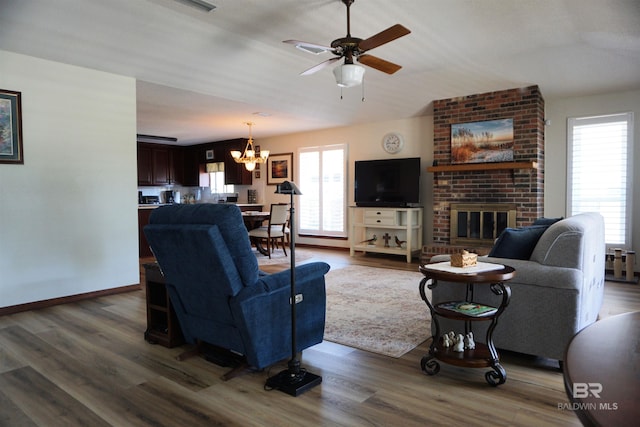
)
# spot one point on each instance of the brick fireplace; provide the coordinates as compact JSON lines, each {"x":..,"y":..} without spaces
{"x":518,"y":183}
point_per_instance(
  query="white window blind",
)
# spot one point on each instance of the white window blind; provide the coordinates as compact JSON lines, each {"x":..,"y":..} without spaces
{"x":323,"y":183}
{"x":599,"y":172}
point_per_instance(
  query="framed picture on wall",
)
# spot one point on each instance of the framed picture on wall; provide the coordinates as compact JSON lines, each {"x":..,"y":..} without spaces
{"x":489,"y":141}
{"x":279,"y":168}
{"x":11,"y":127}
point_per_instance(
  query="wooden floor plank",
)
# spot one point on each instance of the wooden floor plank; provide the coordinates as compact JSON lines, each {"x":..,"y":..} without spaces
{"x":45,"y":402}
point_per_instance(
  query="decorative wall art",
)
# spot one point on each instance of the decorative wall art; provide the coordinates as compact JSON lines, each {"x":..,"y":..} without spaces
{"x":482,"y":142}
{"x":279,"y":168}
{"x":11,"y":127}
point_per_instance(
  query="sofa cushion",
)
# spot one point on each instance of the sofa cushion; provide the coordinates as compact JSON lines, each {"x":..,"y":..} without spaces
{"x":517,"y":243}
{"x":546,"y":221}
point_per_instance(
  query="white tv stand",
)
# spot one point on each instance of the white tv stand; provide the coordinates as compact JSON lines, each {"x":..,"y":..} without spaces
{"x":385,"y":224}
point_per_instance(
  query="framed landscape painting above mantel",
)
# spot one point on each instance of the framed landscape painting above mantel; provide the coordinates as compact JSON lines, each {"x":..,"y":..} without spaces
{"x":11,"y":127}
{"x":482,"y":142}
{"x":279,"y":168}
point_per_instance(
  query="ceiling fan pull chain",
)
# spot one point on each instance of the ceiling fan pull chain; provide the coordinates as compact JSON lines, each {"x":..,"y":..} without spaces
{"x":363,"y":90}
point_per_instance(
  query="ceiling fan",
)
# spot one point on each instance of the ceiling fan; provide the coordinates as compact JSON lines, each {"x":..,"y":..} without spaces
{"x":350,"y":48}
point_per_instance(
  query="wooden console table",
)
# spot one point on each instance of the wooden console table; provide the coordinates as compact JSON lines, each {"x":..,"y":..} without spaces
{"x":484,"y":355}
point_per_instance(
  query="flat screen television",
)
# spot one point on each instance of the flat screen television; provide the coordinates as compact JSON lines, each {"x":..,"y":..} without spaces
{"x":387,"y":183}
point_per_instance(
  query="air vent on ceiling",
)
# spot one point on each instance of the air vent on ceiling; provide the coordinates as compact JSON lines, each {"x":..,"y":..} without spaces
{"x":199,"y":4}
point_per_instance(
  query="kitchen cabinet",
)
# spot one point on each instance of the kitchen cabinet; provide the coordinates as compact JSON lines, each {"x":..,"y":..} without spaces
{"x":159,"y":164}
{"x":235,"y":173}
{"x":195,"y":160}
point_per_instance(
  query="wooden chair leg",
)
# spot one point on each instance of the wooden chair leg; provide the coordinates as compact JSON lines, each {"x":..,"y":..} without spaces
{"x":269,"y":250}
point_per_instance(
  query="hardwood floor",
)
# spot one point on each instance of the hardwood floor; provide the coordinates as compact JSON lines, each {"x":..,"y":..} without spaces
{"x":87,"y":363}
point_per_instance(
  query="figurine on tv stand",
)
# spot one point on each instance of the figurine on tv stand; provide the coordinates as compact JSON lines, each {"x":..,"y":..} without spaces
{"x":371,"y":241}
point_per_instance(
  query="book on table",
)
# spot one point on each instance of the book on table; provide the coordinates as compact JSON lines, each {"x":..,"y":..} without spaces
{"x":468,"y":308}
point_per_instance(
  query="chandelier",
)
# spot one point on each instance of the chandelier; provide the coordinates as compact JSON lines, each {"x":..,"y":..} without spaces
{"x":249,"y":157}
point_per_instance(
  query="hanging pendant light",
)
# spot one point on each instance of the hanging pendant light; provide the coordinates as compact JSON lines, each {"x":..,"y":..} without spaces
{"x":249,"y":157}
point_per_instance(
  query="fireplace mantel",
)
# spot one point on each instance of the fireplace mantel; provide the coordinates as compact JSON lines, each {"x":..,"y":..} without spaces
{"x":483,"y":167}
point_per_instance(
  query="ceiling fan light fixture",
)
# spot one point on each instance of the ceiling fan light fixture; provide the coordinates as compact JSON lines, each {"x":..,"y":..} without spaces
{"x":348,"y":75}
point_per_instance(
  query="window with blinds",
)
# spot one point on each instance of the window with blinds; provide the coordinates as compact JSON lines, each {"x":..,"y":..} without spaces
{"x":323,"y":181}
{"x":599,"y":172}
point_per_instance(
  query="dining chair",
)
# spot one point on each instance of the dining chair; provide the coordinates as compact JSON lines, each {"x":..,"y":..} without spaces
{"x":274,"y":231}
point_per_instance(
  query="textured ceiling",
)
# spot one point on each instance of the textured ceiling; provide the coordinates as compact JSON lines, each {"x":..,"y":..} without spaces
{"x":201,"y":75}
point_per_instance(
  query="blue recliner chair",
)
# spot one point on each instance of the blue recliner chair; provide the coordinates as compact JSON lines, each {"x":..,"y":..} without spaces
{"x":219,"y":295}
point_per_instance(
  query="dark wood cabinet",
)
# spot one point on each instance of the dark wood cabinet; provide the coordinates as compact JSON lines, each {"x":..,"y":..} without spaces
{"x":176,"y":165}
{"x":162,"y":323}
{"x":235,"y":173}
{"x":193,"y":166}
{"x":159,"y":164}
{"x":195,"y":160}
{"x":145,"y":165}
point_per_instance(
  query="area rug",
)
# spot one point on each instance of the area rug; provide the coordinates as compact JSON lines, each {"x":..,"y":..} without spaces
{"x":376,"y":309}
{"x":278,"y":257}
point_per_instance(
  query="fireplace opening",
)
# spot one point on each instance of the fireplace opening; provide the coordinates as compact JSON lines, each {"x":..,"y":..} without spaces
{"x":480,"y":223}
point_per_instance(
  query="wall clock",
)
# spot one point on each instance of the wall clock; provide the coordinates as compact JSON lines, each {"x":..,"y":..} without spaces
{"x":392,"y":142}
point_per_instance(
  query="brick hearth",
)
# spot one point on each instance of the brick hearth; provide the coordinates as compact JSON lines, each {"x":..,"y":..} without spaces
{"x":522,"y":187}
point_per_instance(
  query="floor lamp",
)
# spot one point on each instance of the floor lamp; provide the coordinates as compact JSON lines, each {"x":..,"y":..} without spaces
{"x":293,"y":380}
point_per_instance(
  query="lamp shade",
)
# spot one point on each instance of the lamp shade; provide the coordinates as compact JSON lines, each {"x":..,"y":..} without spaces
{"x":348,"y":75}
{"x":288,"y":187}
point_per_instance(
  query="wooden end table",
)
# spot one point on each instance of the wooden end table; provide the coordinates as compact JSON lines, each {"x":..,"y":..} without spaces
{"x":162,"y":323}
{"x":483,"y":355}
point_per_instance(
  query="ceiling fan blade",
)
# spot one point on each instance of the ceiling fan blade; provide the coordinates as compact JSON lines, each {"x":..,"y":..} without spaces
{"x":316,"y":49}
{"x":320,"y":66}
{"x":385,"y":36}
{"x":379,"y":64}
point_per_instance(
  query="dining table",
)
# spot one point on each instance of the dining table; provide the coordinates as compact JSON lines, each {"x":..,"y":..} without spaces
{"x":252,"y":220}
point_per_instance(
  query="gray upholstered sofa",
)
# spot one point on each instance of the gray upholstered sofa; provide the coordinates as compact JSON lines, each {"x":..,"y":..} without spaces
{"x":556,"y":292}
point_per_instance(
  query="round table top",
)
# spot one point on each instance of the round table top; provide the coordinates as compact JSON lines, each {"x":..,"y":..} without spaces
{"x":602,"y":371}
{"x":497,"y":273}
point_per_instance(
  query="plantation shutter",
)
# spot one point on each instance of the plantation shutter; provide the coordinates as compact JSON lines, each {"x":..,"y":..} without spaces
{"x":599,"y":172}
{"x":323,"y":183}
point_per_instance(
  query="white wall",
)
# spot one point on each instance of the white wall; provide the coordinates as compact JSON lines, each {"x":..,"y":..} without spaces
{"x":68,"y":221}
{"x":364,"y":143}
{"x":558,"y":111}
